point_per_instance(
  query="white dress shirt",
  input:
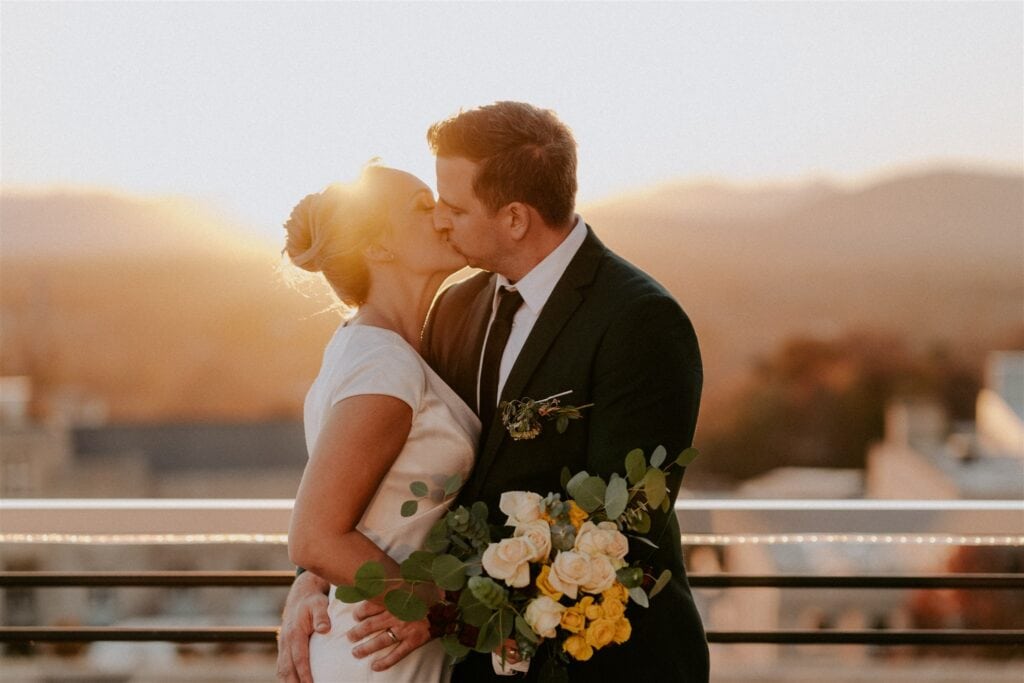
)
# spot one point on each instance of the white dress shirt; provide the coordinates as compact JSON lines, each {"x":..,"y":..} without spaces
{"x":535,"y":287}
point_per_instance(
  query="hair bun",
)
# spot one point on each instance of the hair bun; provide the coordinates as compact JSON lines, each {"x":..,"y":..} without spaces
{"x":308,"y":229}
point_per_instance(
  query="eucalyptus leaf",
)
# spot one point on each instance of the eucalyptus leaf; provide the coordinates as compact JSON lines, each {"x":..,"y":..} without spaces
{"x":662,"y":581}
{"x":370,"y":579}
{"x":417,"y":566}
{"x":437,"y":540}
{"x":410,"y":507}
{"x":575,"y":482}
{"x":562,"y":423}
{"x":616,"y":496}
{"x":654,"y":486}
{"x":505,"y":622}
{"x":687,"y":456}
{"x":638,"y":596}
{"x":590,"y":493}
{"x":565,"y":477}
{"x":349,"y":594}
{"x":472,"y":611}
{"x":419,"y":489}
{"x":405,"y":605}
{"x":449,"y":572}
{"x":658,"y":456}
{"x":524,"y":629}
{"x":453,"y":647}
{"x":630,"y":577}
{"x":666,"y":504}
{"x":452,"y":484}
{"x":489,"y":638}
{"x":636,"y":466}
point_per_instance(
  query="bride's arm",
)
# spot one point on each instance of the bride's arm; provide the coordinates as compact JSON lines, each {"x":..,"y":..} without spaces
{"x":358,"y":443}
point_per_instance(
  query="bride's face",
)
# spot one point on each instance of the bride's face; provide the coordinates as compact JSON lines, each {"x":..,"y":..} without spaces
{"x":413,"y":240}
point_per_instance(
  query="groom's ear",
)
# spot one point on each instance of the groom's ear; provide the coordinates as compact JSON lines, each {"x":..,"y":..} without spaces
{"x":518,"y":216}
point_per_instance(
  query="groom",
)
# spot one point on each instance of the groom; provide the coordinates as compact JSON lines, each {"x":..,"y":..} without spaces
{"x":555,"y":311}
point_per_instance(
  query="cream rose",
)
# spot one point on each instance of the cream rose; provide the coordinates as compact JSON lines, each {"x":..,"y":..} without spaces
{"x":509,"y":560}
{"x":603,"y":539}
{"x":544,"y":615}
{"x":568,"y":571}
{"x":539,"y":534}
{"x":602,"y":575}
{"x":521,"y":507}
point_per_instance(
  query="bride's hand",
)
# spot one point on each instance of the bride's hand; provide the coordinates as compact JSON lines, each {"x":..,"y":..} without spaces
{"x":387,"y":630}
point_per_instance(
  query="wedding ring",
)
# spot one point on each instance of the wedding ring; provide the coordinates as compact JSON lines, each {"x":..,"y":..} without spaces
{"x":392,"y":636}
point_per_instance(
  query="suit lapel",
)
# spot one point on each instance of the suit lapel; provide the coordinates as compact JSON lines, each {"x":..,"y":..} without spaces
{"x":563,"y":302}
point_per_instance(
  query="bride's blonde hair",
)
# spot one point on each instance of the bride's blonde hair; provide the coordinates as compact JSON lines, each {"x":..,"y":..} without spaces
{"x":329,"y":231}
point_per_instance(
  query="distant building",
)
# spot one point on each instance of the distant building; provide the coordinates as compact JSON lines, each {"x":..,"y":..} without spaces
{"x":923,"y":456}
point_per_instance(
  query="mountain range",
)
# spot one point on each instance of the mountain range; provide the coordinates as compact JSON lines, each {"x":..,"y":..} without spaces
{"x":162,"y":309}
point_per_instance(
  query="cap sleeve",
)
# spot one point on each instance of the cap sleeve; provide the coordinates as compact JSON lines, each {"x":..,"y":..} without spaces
{"x":380,"y":366}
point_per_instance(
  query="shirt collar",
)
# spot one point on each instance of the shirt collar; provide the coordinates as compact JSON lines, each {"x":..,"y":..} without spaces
{"x":536,"y":286}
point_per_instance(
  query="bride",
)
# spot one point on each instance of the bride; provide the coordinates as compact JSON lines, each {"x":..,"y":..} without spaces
{"x":377,"y":417}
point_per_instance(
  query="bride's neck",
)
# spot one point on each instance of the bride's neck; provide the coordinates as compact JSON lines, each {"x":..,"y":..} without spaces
{"x":399,"y":307}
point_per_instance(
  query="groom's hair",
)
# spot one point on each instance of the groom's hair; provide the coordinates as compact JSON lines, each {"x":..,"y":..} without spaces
{"x":525,"y":154}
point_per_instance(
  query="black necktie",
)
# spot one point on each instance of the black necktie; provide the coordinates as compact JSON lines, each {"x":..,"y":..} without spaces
{"x":509,"y":301}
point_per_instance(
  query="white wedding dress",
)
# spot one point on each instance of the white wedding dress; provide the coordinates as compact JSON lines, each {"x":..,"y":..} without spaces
{"x":371,"y":360}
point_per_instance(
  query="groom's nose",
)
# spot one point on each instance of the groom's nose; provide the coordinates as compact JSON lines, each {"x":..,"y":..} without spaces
{"x":442,"y":218}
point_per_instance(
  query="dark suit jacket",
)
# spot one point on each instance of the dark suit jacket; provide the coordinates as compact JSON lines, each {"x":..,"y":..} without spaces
{"x":617,"y":339}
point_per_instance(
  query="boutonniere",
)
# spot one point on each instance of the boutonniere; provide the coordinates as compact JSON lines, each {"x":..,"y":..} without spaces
{"x":522,"y":416}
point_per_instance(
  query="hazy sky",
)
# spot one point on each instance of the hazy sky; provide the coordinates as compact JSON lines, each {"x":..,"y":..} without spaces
{"x":250,"y":106}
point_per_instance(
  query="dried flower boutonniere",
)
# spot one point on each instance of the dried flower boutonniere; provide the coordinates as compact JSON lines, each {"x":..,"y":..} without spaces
{"x":521,"y":417}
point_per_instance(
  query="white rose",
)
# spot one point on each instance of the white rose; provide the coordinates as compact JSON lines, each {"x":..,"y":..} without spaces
{"x":544,"y":615}
{"x":509,"y":560}
{"x":520,"y":506}
{"x":602,"y":575}
{"x":568,"y":571}
{"x":603,"y":539}
{"x":539,"y":534}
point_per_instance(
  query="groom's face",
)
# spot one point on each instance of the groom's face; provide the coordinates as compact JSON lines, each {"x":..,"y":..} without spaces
{"x":470,"y":227}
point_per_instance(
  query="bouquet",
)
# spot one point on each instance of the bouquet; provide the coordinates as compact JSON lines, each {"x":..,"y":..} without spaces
{"x":558,"y":575}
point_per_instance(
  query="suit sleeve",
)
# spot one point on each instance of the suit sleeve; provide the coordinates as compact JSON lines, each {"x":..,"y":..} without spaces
{"x":646,"y":390}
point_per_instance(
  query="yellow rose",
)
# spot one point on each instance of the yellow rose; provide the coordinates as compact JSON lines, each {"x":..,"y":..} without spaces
{"x":616,"y":592}
{"x":573,"y":620}
{"x":592,"y":610}
{"x":578,"y":648}
{"x":623,"y":630}
{"x":543,"y":584}
{"x":600,"y":633}
{"x":613,"y":609}
{"x":576,"y":514}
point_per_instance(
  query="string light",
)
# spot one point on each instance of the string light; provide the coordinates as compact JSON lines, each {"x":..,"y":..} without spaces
{"x":686,"y":539}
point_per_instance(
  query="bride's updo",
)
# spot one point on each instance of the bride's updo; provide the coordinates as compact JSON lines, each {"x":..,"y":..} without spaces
{"x":329,"y":230}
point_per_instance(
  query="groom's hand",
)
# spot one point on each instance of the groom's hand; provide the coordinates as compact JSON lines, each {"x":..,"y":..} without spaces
{"x":305,"y":610}
{"x":376,"y":621}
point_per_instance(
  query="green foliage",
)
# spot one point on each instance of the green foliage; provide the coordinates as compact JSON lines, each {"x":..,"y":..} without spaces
{"x":405,"y":604}
{"x":687,"y":457}
{"x":449,"y":572}
{"x":453,"y":647}
{"x":590,"y":493}
{"x":474,"y":612}
{"x":654,"y":486}
{"x":630,"y":577}
{"x":526,"y":631}
{"x":370,"y":578}
{"x":658,"y":456}
{"x":488,"y":592}
{"x":616,"y":497}
{"x":419,"y":489}
{"x":663,"y":579}
{"x":636,"y":466}
{"x":638,"y":596}
{"x":418,"y":566}
{"x":410,"y":507}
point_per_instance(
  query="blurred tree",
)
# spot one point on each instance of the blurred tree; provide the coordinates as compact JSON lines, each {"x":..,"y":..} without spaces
{"x":820,"y":403}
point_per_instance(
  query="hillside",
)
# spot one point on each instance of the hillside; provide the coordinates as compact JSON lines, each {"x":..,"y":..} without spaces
{"x":164,"y":311}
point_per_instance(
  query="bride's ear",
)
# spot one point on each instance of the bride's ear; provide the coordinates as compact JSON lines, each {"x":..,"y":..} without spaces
{"x":378,"y":253}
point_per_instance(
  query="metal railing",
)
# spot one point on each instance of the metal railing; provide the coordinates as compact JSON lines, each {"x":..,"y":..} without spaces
{"x":707,"y":522}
